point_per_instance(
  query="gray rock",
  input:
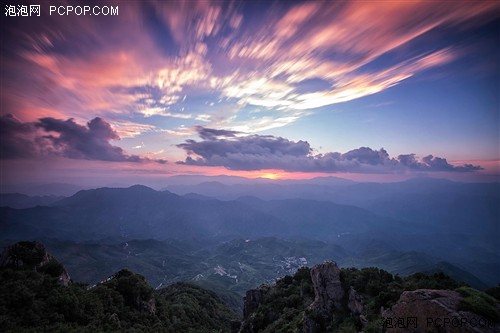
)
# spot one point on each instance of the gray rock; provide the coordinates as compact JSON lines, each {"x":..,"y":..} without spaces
{"x":328,"y":294}
{"x":328,"y":291}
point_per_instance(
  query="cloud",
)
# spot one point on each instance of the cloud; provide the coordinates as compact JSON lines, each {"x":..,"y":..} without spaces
{"x":141,"y":65}
{"x":62,"y":138}
{"x":338,"y":43}
{"x":259,"y":152}
{"x":17,"y":139}
{"x":99,"y":66}
{"x":209,"y":46}
{"x":433,"y":163}
{"x":211,"y":134}
{"x":128,"y":129}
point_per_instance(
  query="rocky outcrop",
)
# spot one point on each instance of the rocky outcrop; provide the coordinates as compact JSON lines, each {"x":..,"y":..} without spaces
{"x":148,"y":305}
{"x":355,"y":302}
{"x":252,"y":300}
{"x":33,"y":255}
{"x":428,"y":310}
{"x":328,"y":291}
{"x":64,"y":278}
{"x":328,"y":294}
{"x":356,"y":305}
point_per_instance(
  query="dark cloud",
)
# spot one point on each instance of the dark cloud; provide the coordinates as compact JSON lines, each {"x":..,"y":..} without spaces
{"x":66,"y":138}
{"x":441,"y":164}
{"x":16,"y":138}
{"x":257,"y":152}
{"x":367,"y":155}
{"x":433,"y":163}
{"x":223,"y":148}
{"x":211,"y":134}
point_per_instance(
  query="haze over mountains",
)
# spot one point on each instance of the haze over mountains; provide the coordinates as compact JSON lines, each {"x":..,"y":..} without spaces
{"x":417,"y":225}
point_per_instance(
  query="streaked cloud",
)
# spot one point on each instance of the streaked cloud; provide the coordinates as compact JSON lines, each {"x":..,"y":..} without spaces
{"x":213,"y":47}
{"x":128,"y":129}
{"x":258,"y":152}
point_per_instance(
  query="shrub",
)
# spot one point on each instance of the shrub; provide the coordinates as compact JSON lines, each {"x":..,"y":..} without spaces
{"x":478,"y":302}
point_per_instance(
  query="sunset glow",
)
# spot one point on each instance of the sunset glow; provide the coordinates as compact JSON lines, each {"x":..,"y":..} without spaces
{"x":271,"y":175}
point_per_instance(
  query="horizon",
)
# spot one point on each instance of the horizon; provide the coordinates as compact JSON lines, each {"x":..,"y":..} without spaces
{"x":255,"y":90}
{"x":69,"y":189}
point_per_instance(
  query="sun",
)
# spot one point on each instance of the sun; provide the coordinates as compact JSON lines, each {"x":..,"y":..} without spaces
{"x":270,"y":175}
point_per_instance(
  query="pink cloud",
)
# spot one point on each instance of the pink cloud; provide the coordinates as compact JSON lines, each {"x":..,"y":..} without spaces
{"x":291,"y":43}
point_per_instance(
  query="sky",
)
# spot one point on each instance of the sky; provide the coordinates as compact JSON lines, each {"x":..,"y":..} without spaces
{"x":365,"y":90}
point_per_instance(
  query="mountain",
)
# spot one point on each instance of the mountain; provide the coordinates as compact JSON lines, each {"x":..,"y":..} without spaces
{"x":136,"y":212}
{"x":141,"y":212}
{"x":434,"y":213}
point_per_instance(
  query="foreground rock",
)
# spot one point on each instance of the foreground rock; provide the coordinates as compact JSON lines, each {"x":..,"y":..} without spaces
{"x":328,"y":289}
{"x":328,"y":294}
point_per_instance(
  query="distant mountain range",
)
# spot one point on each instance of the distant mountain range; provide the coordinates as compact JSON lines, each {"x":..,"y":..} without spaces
{"x":140,"y":212}
{"x":404,"y":227}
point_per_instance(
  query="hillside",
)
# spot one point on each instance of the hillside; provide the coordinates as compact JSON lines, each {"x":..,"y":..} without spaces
{"x":236,"y":265}
{"x":328,"y":299}
{"x":36,"y":300}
